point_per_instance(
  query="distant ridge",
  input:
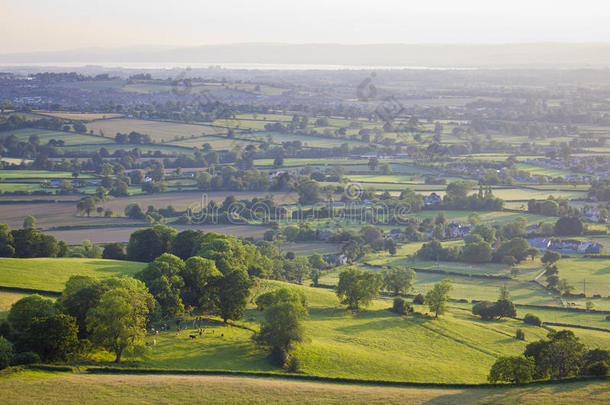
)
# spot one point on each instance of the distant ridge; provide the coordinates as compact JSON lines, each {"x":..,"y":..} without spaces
{"x":533,"y":55}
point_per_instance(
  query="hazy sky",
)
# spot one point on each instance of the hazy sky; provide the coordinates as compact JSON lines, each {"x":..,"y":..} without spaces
{"x":30,"y":25}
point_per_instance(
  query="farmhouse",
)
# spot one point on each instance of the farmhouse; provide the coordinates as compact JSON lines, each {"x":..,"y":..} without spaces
{"x":432,"y":199}
{"x":457,"y":230}
{"x":565,"y":246}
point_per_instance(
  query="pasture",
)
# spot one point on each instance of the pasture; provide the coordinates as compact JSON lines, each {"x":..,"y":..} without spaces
{"x":69,"y":138}
{"x":51,"y":274}
{"x":371,"y":344}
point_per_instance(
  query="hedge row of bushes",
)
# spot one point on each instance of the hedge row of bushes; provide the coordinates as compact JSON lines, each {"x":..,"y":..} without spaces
{"x":119,"y":370}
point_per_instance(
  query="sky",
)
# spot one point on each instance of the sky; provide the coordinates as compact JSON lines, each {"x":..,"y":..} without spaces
{"x":35,"y":25}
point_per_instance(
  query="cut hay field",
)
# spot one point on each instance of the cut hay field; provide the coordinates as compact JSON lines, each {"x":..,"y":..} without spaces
{"x":122,"y":233}
{"x":183,"y":200}
{"x":159,"y":131}
{"x":33,"y":387}
{"x":215,"y":142}
{"x":51,"y":274}
{"x":78,"y":115}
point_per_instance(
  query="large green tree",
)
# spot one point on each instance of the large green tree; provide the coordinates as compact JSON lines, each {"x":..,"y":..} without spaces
{"x":118,"y":322}
{"x":199,"y":276}
{"x":147,"y":244}
{"x":233,"y":292}
{"x":283,"y":322}
{"x":398,"y":279}
{"x":24,"y":312}
{"x":357,"y":288}
{"x":515,"y":369}
{"x":163,"y":277}
{"x":437,"y":298}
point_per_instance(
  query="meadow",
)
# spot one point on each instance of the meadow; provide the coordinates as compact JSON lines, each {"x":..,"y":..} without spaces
{"x":371,"y":344}
{"x":51,"y":274}
{"x":69,"y":138}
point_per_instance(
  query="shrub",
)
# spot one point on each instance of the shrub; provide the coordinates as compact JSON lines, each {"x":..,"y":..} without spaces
{"x":532,"y":320}
{"x":26,"y":358}
{"x":7,"y":352}
{"x":419,"y":299}
{"x":293,"y":365}
{"x":401,"y":306}
{"x":608,"y":318}
{"x":598,"y":369}
{"x":520,"y":335}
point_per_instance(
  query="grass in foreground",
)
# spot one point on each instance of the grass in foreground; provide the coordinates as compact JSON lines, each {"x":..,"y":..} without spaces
{"x":31,"y":387}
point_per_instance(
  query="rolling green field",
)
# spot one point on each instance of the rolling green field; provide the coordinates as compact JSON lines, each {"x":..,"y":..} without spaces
{"x":69,"y":138}
{"x":372,"y":344}
{"x":33,"y":387}
{"x":592,"y":274}
{"x":51,"y":274}
{"x":8,"y":298}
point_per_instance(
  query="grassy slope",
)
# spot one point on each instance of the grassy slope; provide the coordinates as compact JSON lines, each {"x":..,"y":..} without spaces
{"x":32,"y":387}
{"x":52,"y":274}
{"x":373,"y":344}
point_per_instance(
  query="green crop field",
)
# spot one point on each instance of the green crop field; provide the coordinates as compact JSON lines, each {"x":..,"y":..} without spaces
{"x":51,"y":274}
{"x":69,"y":138}
{"x":38,"y":174}
{"x":32,"y":387}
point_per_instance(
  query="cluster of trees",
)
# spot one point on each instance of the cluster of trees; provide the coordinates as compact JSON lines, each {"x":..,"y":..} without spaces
{"x":502,"y":308}
{"x":600,"y":190}
{"x":110,"y":314}
{"x":357,"y":288}
{"x":29,"y":242}
{"x":551,"y":273}
{"x":511,"y":249}
{"x":549,"y":207}
{"x":561,"y":355}
{"x":456,"y":197}
{"x":196,"y":284}
{"x":134,"y":138}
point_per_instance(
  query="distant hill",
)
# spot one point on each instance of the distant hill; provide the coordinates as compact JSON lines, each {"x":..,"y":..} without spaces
{"x":534,"y":55}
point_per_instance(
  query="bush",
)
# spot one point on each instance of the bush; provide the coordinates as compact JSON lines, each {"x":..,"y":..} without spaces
{"x":401,"y":306}
{"x":26,"y":358}
{"x":532,"y":320}
{"x":114,"y":251}
{"x":7,"y":353}
{"x":419,"y":299}
{"x":293,"y":365}
{"x":608,"y":318}
{"x":520,"y":335}
{"x":598,"y":369}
